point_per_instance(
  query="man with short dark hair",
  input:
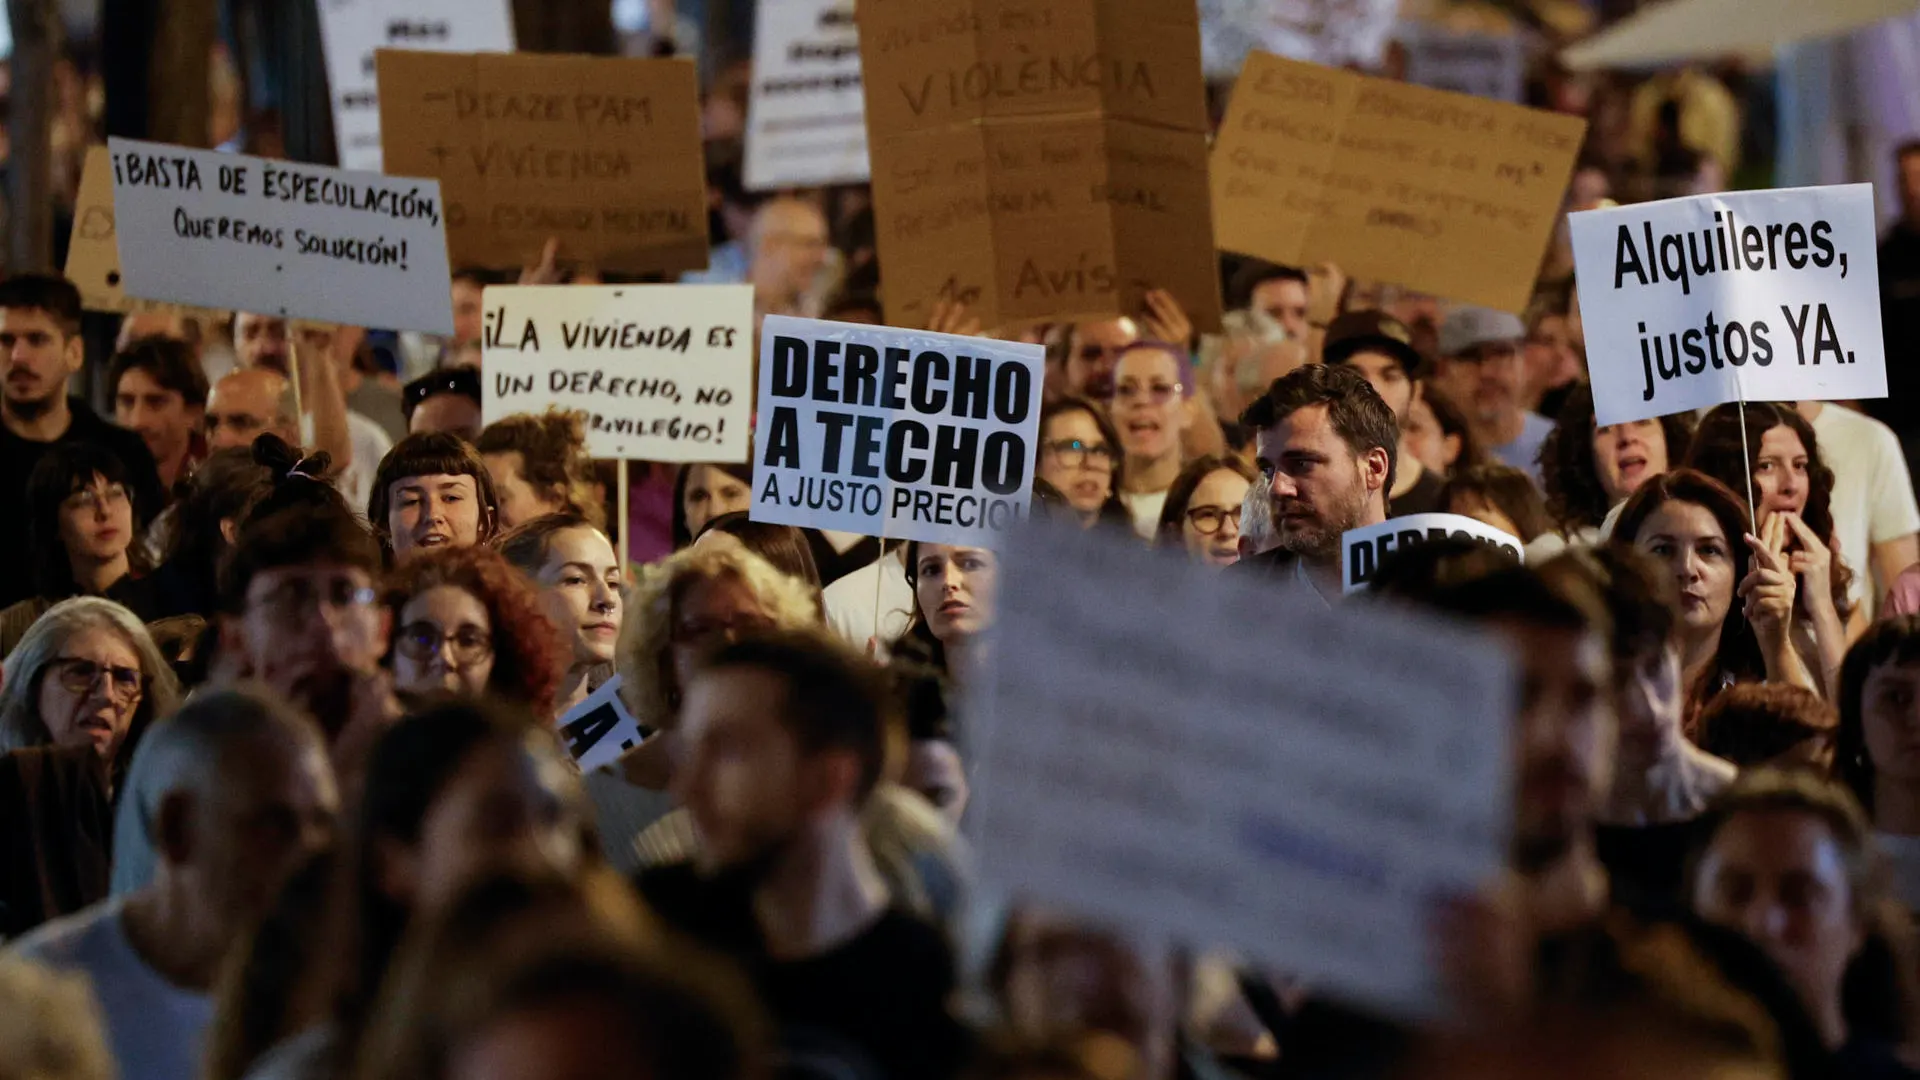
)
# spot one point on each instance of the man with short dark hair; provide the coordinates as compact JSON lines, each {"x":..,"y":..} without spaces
{"x":446,"y":400}
{"x":1327,"y":446}
{"x":1285,"y":295}
{"x":225,"y":800}
{"x":160,"y":394}
{"x":41,"y":349}
{"x":785,"y":739}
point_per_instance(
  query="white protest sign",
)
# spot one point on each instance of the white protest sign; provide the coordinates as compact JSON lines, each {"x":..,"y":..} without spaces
{"x":1302,"y":793}
{"x":900,"y":433}
{"x":1753,"y":295}
{"x":1484,"y":65}
{"x":1332,"y":32}
{"x":663,"y":372}
{"x":1363,"y":550}
{"x":280,"y":238}
{"x":598,"y":730}
{"x":351,"y":31}
{"x":806,"y":113}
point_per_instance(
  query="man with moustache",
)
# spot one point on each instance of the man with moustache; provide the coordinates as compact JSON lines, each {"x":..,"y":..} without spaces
{"x":40,"y":350}
{"x":1327,"y":446}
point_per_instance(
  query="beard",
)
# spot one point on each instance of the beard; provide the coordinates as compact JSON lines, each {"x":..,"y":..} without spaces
{"x":1319,"y":536}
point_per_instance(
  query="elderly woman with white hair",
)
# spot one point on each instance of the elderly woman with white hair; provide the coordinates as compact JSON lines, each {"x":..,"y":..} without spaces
{"x":85,"y":674}
{"x":83,"y":683}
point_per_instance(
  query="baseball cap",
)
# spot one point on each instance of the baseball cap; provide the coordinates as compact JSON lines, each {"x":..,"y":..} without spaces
{"x":1465,"y":328}
{"x":1375,"y":331}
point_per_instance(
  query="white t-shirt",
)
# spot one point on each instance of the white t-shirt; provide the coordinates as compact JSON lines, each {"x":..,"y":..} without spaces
{"x":1872,"y":491}
{"x":154,"y":1029}
{"x":1145,"y":507}
{"x":851,"y":610}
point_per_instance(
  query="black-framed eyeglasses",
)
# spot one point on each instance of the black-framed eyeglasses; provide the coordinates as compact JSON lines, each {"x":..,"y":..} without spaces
{"x":705,"y":632}
{"x":292,"y":600}
{"x":1208,"y":520}
{"x":422,"y":641}
{"x":79,"y":675}
{"x":1073,"y":453}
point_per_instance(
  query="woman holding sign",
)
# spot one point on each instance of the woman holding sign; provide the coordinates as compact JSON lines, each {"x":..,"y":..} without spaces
{"x":1151,"y":408}
{"x":1697,"y":528}
{"x":1780,"y":455}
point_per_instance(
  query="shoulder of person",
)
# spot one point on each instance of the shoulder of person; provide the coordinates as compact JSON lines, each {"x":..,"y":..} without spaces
{"x":1267,"y":563}
{"x":72,"y":941}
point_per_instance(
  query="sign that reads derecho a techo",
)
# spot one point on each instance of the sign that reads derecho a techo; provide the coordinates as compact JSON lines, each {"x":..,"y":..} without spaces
{"x":662,"y":372}
{"x":898,"y":433}
{"x":280,"y":238}
{"x":1757,"y":295}
{"x":1363,"y":550}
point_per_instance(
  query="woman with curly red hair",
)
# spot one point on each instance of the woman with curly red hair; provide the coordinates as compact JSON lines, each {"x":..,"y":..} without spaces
{"x":464,"y":620}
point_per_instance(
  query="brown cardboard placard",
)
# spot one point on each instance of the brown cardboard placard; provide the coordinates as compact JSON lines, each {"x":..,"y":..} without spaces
{"x":1041,"y":161}
{"x":93,"y":246}
{"x":1441,"y":192}
{"x":602,"y":153}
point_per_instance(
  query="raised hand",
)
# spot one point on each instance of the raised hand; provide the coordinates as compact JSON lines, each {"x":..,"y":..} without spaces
{"x":1769,"y":588}
{"x":1166,"y":320}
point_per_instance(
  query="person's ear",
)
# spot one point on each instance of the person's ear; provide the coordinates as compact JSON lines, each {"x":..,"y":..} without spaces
{"x":233,"y":641}
{"x":73,"y":353}
{"x":229,"y":529}
{"x":834,"y":777}
{"x":1375,"y":466}
{"x":173,"y":828}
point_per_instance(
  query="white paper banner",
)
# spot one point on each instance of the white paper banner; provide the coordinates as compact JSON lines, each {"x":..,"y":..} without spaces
{"x":598,"y":730}
{"x":806,"y":115}
{"x":1363,"y":550}
{"x":280,"y":238}
{"x":352,"y":30}
{"x":902,"y":433}
{"x":1754,"y":295}
{"x":1484,"y":65}
{"x":1143,"y":758}
{"x":663,"y":372}
{"x":1331,"y":32}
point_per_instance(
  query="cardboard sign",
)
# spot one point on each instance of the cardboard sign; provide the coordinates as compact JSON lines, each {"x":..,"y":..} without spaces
{"x":1483,"y":65}
{"x":662,"y":372}
{"x":1752,"y":295}
{"x":600,"y":729}
{"x":601,"y":152}
{"x":1363,"y":550}
{"x":280,"y":238}
{"x":1444,"y":193}
{"x":1331,"y":32}
{"x":896,"y":433}
{"x":806,"y":117}
{"x":352,"y":30}
{"x":1302,"y":793}
{"x":1039,"y":162}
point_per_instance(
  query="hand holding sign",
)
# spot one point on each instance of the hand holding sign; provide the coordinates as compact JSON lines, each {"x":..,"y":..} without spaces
{"x":1768,"y":590}
{"x":1811,"y":561}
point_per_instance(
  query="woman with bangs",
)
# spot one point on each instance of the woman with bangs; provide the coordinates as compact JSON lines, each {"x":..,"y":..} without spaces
{"x":432,"y":491}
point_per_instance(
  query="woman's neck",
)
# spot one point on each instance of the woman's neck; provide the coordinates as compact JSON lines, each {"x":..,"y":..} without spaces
{"x":1147,"y":475}
{"x":964,"y":656}
{"x":95,"y":576}
{"x":1698,"y":650}
{"x":575,"y":685}
{"x":1896,"y":807}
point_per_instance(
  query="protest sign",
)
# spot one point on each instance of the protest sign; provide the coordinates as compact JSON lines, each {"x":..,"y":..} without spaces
{"x":93,"y":251}
{"x":351,"y":31}
{"x":600,"y":729}
{"x":602,"y":153}
{"x":280,"y":238}
{"x":662,"y":372}
{"x":1039,"y":161}
{"x":898,"y":433}
{"x":1484,"y":65}
{"x":1445,"y":193}
{"x":806,"y":119}
{"x":1143,"y":759}
{"x":1331,"y":32}
{"x":1752,"y":295}
{"x":1363,"y":550}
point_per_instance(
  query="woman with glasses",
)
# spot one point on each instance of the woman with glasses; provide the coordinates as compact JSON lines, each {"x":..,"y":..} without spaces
{"x":85,"y":675}
{"x":1202,"y":515}
{"x":1080,"y":457}
{"x":1151,"y":409}
{"x":466,"y":622}
{"x":81,"y":528}
{"x":85,"y":681}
